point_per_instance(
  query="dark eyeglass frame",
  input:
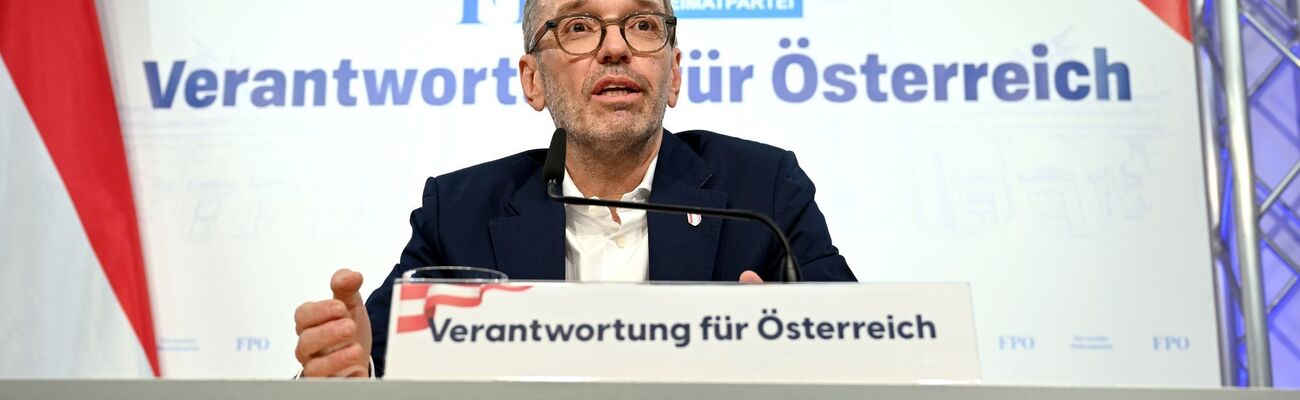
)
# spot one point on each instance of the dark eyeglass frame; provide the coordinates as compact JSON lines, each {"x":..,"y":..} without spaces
{"x":670,"y":23}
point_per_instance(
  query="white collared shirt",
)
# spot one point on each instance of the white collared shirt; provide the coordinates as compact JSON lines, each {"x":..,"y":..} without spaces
{"x":597,"y":249}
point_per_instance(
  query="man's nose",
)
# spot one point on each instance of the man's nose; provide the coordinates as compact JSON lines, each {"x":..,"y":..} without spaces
{"x":613,"y":49}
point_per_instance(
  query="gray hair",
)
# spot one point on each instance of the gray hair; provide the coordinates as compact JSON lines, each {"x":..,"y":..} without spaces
{"x":531,"y":20}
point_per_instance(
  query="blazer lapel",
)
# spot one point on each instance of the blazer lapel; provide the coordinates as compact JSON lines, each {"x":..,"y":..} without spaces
{"x":530,"y":244}
{"x":680,"y":251}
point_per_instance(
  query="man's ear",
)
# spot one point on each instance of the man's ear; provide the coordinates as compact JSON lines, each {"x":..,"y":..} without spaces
{"x":530,"y":78}
{"x":677,"y":77}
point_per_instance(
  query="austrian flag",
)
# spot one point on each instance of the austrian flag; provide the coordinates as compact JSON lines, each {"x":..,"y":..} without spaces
{"x":418,"y":302}
{"x":72,"y":272}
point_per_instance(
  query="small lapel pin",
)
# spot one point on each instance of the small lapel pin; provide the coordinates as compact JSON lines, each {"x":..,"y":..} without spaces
{"x":693,"y":219}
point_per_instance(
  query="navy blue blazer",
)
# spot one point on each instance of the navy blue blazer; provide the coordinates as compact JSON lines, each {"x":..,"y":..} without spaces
{"x":497,"y":215}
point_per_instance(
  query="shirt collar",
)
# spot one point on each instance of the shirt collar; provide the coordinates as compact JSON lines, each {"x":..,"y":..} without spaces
{"x":641,"y":192}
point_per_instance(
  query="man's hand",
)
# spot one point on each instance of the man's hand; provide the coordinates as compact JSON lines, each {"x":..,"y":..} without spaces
{"x":334,"y":335}
{"x":750,"y":277}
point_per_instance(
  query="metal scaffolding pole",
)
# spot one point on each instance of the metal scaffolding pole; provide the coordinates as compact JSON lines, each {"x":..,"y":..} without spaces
{"x":1214,"y":192}
{"x":1245,"y":208}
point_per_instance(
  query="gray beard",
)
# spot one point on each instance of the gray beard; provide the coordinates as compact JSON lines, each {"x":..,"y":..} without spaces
{"x":604,"y":139}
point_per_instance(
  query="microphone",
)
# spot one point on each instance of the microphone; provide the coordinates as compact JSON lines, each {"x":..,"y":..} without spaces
{"x":553,"y":174}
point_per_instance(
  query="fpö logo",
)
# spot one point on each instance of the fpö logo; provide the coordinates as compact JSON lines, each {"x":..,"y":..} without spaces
{"x":472,"y":11}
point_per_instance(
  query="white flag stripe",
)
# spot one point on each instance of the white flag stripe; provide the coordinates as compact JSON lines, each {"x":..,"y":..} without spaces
{"x":454,"y":290}
{"x":62,"y":319}
{"x":410,"y":308}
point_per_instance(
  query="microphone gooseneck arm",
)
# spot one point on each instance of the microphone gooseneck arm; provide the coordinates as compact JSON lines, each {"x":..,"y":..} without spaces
{"x":553,"y":173}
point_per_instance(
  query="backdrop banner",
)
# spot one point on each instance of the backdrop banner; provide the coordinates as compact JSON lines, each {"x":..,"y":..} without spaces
{"x":1046,"y":152}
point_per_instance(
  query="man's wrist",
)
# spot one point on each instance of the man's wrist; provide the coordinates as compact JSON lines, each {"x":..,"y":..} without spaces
{"x":370,"y":370}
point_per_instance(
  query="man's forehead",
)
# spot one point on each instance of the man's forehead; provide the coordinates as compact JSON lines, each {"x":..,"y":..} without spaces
{"x":622,"y":6}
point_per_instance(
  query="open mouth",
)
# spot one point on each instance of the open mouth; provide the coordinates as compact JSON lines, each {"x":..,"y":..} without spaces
{"x":613,"y":88}
{"x":616,"y":91}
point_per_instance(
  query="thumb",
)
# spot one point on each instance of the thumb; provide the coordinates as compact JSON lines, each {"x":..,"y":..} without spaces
{"x":750,"y":277}
{"x":346,"y":285}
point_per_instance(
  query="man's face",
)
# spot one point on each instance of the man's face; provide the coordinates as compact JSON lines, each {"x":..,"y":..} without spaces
{"x":610,"y":99}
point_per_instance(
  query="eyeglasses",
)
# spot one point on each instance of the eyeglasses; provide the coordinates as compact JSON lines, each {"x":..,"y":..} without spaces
{"x":582,"y":34}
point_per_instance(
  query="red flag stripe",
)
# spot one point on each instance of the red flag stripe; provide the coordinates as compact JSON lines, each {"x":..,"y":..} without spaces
{"x":55,"y":54}
{"x":1174,"y":13}
{"x":412,"y":323}
{"x":414,"y":291}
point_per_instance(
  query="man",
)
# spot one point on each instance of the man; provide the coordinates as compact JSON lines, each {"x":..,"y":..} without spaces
{"x":606,"y":70}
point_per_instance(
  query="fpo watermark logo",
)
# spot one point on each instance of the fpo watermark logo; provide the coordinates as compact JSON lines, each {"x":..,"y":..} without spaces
{"x":1016,"y":343}
{"x":1171,"y":343}
{"x":476,"y":11}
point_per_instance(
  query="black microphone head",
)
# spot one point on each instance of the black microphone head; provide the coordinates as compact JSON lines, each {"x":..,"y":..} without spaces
{"x":553,"y":169}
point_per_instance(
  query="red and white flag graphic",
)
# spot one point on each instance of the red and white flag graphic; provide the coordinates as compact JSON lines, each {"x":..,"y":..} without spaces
{"x":1173,"y":13}
{"x":72,"y":277}
{"x":419,"y":302}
